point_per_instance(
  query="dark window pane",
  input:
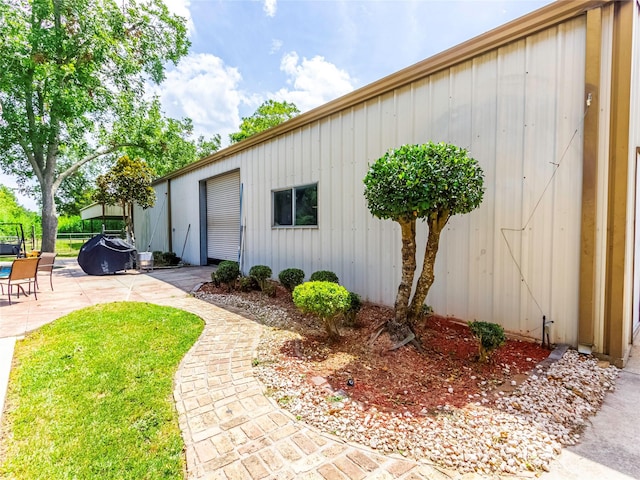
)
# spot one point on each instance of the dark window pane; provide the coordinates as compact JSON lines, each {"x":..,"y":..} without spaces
{"x":307,"y":205}
{"x":282,"y":208}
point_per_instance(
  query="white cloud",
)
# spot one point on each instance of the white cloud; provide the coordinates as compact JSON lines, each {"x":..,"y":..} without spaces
{"x":181,"y":7}
{"x":312,"y":82}
{"x":206,"y":90}
{"x":270,"y":7}
{"x":276,"y":45}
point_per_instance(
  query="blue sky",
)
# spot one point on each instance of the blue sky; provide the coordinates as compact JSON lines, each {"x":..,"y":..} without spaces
{"x":309,"y":52}
{"x":306,"y":52}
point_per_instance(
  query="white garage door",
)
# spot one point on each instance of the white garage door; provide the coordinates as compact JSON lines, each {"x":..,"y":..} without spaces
{"x":223,"y":216}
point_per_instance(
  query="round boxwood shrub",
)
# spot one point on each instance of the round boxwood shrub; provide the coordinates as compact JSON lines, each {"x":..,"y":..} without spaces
{"x":290,"y":278}
{"x":261,"y":273}
{"x":227,"y":273}
{"x":324,"y":299}
{"x":324,"y":276}
{"x":490,"y":336}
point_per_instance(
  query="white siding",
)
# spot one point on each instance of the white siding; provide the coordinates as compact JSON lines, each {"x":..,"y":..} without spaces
{"x":151,"y":225}
{"x":519,"y":111}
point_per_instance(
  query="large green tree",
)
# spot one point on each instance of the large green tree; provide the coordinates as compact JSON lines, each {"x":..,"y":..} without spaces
{"x":431,"y":182}
{"x":72,"y":81}
{"x":267,"y":115}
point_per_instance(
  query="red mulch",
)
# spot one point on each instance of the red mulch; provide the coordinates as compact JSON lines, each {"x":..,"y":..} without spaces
{"x":402,"y":380}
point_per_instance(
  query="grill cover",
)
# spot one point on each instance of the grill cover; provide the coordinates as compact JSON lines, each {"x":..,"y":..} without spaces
{"x":101,"y":255}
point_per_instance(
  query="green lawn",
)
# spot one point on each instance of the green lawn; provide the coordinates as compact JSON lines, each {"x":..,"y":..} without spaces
{"x":69,"y":248}
{"x":90,"y":396}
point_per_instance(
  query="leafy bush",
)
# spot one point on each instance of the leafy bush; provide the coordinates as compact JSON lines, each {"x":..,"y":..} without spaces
{"x":355,"y":305}
{"x":247,"y":284}
{"x":227,"y":273}
{"x":161,"y":259}
{"x":490,"y":336}
{"x":290,"y":278}
{"x":261,"y":273}
{"x":324,"y":276}
{"x":70,"y":224}
{"x":269,"y":288}
{"x":324,"y":299}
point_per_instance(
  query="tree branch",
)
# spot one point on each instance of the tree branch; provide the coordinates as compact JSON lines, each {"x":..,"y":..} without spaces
{"x":88,"y":158}
{"x":32,"y":161}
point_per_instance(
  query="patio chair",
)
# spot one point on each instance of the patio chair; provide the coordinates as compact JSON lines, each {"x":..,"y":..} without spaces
{"x":46,"y":266}
{"x":23,"y":271}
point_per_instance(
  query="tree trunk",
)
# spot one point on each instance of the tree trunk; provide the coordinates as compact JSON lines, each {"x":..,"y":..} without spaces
{"x":436,"y":225}
{"x":49,"y":219}
{"x":126,"y":219}
{"x":408,"y":228}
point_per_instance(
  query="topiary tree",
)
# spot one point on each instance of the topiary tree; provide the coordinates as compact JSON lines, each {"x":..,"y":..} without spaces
{"x":324,"y":299}
{"x":490,"y":337}
{"x":290,"y":278}
{"x":324,"y":276}
{"x":431,"y":182}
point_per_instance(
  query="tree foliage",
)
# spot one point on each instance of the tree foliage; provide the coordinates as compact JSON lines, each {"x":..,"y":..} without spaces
{"x":128,"y":182}
{"x":431,"y":182}
{"x":72,"y":83}
{"x":490,"y":337}
{"x":12,"y":212}
{"x":268,"y":115}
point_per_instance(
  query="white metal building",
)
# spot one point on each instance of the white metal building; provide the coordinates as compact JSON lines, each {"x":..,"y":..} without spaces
{"x":549,"y":104}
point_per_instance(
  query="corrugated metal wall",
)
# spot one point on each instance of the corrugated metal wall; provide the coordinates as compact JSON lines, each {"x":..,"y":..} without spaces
{"x":186,"y":208}
{"x":518,"y":110}
{"x":151,"y":225}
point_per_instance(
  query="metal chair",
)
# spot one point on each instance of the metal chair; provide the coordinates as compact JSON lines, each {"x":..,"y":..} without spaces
{"x":46,"y":265}
{"x":23,"y":271}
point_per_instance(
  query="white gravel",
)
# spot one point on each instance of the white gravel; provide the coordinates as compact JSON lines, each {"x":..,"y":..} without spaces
{"x":512,"y":433}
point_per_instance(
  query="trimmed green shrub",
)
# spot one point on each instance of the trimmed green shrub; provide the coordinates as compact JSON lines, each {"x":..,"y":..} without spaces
{"x":227,"y":273}
{"x":324,"y":276}
{"x":323,"y":299}
{"x":269,"y":288}
{"x":261,"y":273}
{"x":490,"y":337}
{"x":163,"y":259}
{"x":246,"y":284}
{"x":355,"y":305}
{"x":290,"y":278}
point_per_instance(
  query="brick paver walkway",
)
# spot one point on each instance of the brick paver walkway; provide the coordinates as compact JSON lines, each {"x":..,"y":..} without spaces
{"x":232,"y":431}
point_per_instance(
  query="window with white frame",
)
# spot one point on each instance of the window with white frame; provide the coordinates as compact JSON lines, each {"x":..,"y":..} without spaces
{"x":296,"y":207}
